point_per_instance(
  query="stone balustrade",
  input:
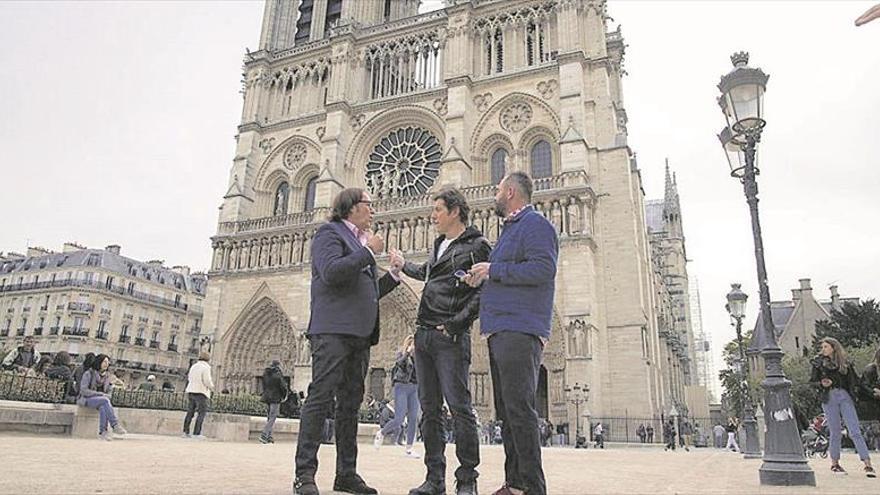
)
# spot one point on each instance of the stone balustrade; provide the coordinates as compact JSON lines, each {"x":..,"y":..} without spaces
{"x":285,"y":241}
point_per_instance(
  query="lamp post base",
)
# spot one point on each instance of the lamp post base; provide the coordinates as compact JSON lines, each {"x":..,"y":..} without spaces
{"x":750,"y":425}
{"x":786,"y":474}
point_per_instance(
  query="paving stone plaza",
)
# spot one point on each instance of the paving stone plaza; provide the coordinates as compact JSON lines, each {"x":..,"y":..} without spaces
{"x":148,"y":464}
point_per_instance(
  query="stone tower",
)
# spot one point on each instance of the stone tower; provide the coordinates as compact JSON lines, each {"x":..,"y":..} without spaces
{"x":337,"y":97}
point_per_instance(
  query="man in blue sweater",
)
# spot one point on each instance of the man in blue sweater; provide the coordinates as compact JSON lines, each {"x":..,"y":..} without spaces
{"x":516,"y":307}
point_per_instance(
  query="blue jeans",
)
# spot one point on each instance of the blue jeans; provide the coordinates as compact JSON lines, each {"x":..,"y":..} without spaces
{"x":106,"y":414}
{"x":841,"y":404}
{"x":406,"y":406}
{"x":274,"y":408}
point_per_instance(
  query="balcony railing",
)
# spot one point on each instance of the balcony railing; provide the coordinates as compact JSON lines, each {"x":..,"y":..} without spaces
{"x":139,"y":341}
{"x":154,"y":344}
{"x":172,"y":347}
{"x":102,"y":335}
{"x":54,"y":330}
{"x":115,"y":289}
{"x":19,"y":332}
{"x":124,"y":339}
{"x":75,"y":331}
{"x":38,"y":331}
{"x":79,"y":307}
{"x":566,"y":200}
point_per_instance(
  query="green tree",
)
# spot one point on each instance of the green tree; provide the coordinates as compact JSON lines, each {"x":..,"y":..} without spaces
{"x":854,"y":325}
{"x":733,"y":398}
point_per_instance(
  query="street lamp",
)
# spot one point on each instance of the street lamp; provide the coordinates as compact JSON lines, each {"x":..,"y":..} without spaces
{"x":736,"y":306}
{"x":577,"y":395}
{"x":742,"y":103}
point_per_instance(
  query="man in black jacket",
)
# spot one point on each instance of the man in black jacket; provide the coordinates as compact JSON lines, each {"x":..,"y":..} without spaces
{"x":443,"y":343}
{"x":274,"y":393}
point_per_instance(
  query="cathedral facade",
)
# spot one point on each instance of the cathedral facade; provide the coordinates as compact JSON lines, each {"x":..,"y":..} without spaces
{"x":372,"y":94}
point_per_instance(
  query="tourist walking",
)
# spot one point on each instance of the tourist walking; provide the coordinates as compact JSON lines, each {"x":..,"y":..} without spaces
{"x":649,"y":431}
{"x":599,"y":436}
{"x":837,"y":379}
{"x":344,"y":323}
{"x":275,"y":391}
{"x":718,"y":431}
{"x":641,"y":433}
{"x":198,"y":390}
{"x":686,"y":432}
{"x":94,"y":392}
{"x":406,"y":399}
{"x":669,"y":435}
{"x":516,"y":308}
{"x":732,"y":427}
{"x":447,"y":309}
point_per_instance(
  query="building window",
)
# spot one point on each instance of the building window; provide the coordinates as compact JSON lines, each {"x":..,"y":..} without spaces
{"x":334,"y":12}
{"x":155,"y":336}
{"x":140,"y":334}
{"x":90,"y":277}
{"x":94,"y":259}
{"x":304,"y":23}
{"x":109,"y":283}
{"x":387,"y":13}
{"x":173,"y":340}
{"x":282,"y":193}
{"x":406,"y":162}
{"x":494,"y":45}
{"x":499,"y":165}
{"x":101,"y":325}
{"x":310,"y":194}
{"x":124,"y":332}
{"x":77,"y":322}
{"x":130,"y":288}
{"x":542,"y":160}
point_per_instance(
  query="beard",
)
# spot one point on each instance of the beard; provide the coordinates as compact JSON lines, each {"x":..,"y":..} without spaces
{"x":501,"y":208}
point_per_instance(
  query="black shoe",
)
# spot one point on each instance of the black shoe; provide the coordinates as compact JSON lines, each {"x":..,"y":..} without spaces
{"x":353,"y":484}
{"x":466,"y":487}
{"x":305,"y":487}
{"x":429,"y":488}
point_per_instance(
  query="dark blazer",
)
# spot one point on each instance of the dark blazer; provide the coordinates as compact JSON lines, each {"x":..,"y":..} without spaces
{"x":345,"y":290}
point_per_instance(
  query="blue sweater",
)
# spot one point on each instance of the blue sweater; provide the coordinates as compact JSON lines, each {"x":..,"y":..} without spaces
{"x":518,"y":296}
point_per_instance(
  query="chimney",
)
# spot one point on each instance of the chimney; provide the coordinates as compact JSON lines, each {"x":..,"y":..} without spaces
{"x":795,"y":294}
{"x":835,"y":297}
{"x":806,"y":289}
{"x":183,"y":270}
{"x":70,"y":247}
{"x":156,"y":263}
{"x":113,"y":248}
{"x":37,"y":251}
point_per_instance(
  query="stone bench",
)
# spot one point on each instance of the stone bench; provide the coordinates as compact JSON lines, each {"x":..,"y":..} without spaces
{"x":37,"y":418}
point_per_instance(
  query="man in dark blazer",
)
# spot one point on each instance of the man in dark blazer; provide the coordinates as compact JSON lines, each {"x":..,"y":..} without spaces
{"x":344,"y":323}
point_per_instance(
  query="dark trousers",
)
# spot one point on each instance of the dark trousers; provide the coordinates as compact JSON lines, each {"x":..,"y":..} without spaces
{"x":442,"y":370}
{"x":196,"y":402}
{"x":515,"y":360}
{"x":339,"y":366}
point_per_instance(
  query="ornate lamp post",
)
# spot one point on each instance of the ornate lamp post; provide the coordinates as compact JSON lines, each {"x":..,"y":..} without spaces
{"x":742,"y":102}
{"x":577,"y":395}
{"x":736,"y":306}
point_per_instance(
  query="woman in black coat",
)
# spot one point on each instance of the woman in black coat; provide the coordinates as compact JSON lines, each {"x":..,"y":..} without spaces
{"x":274,"y":393}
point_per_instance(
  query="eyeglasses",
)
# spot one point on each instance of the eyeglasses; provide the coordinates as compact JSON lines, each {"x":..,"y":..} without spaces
{"x":365,"y":201}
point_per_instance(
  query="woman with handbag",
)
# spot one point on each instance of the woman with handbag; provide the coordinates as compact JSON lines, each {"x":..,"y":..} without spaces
{"x":835,"y":375}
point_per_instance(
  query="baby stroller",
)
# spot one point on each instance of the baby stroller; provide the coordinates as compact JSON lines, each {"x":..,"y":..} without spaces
{"x":815,"y":441}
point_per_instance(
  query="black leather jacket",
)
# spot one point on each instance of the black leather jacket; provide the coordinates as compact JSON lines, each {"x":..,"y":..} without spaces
{"x":446,"y":300}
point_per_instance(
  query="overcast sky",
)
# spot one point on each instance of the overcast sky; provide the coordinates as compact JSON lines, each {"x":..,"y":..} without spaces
{"x":118,"y":125}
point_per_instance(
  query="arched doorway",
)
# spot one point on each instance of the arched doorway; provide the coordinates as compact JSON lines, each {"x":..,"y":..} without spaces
{"x":542,"y":403}
{"x":263,"y":333}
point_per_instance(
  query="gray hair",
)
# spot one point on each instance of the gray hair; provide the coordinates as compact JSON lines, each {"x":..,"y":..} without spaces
{"x":522,"y":182}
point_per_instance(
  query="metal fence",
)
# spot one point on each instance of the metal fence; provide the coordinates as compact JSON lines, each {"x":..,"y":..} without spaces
{"x":19,"y":387}
{"x":625,"y":429}
{"x":14,"y":386}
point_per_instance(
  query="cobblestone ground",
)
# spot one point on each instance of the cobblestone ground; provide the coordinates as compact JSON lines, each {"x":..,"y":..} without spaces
{"x":159,"y":465}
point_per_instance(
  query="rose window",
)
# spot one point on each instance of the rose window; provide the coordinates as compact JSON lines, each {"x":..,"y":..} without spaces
{"x":406,"y":162}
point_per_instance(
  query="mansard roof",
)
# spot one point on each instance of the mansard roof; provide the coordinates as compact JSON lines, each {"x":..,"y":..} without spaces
{"x":108,"y":260}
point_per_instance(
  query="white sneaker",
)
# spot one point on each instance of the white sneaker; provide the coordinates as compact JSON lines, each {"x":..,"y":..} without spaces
{"x":106,"y":435}
{"x":119,"y":431}
{"x":413,"y":454}
{"x":378,"y":439}
{"x":199,"y":437}
{"x":186,"y":435}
